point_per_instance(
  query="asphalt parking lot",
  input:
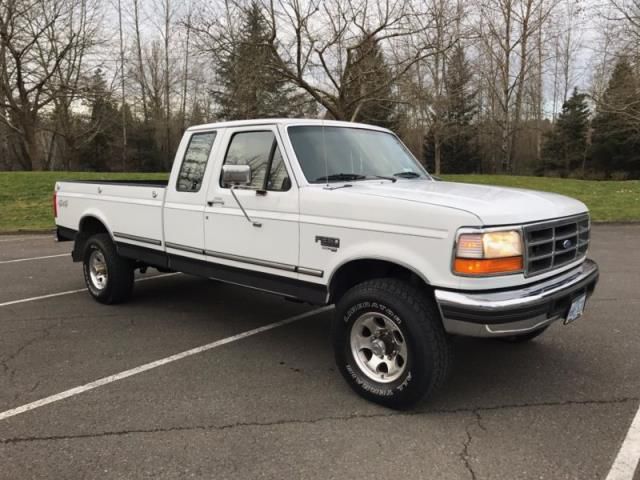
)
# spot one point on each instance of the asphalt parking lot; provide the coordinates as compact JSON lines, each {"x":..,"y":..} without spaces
{"x":272,"y":405}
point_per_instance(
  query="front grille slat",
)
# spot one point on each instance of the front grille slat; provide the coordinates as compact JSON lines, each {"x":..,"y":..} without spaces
{"x":545,"y":243}
{"x":568,"y":235}
{"x":539,"y":242}
{"x":540,"y":257}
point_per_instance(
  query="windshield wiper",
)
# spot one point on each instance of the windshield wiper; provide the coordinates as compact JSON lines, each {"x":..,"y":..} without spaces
{"x":394,"y":180}
{"x":340,"y":177}
{"x":346,"y":177}
{"x":408,"y":174}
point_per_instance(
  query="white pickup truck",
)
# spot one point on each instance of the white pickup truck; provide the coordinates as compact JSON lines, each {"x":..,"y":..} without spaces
{"x":342,"y":213}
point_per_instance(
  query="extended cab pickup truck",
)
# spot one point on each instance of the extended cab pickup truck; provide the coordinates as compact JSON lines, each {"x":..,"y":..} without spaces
{"x":341,"y":213}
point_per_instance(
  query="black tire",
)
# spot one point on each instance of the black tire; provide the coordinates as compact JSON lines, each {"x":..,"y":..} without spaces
{"x":415,"y":315}
{"x":118,"y":285}
{"x":524,"y":337}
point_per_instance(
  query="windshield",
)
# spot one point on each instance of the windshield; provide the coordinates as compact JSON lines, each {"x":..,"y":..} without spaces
{"x":351,"y":154}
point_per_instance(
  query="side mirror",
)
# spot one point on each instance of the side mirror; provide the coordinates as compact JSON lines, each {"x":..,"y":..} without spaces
{"x":236,"y":175}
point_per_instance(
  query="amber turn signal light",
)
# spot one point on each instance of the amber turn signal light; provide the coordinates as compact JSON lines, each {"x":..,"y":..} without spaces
{"x":487,"y":266}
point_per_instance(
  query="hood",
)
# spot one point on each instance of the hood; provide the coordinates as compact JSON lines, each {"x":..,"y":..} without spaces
{"x":492,"y":205}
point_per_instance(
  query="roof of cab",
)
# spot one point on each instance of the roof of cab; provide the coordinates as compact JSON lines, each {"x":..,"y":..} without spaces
{"x":282,"y":121}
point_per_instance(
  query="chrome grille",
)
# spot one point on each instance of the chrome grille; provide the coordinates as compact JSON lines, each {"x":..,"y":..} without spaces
{"x":552,"y":244}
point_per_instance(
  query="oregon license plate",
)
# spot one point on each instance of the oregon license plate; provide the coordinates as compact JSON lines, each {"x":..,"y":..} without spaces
{"x":576,"y":310}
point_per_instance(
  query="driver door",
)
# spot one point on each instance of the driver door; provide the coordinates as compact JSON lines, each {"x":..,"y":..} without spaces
{"x":271,"y":201}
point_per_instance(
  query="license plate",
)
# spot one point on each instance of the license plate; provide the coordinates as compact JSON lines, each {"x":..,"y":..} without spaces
{"x":576,"y":309}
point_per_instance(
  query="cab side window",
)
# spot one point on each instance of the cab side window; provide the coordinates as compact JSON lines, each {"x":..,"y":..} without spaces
{"x":260,"y":151}
{"x":194,"y":163}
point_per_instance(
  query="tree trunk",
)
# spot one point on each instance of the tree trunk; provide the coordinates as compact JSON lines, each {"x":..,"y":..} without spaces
{"x":437,"y":149}
{"x":124,"y":110}
{"x":141,"y":74}
{"x":524,"y":55}
{"x":30,"y":150}
{"x":506,"y":92}
{"x":167,"y":92}
{"x":539,"y":95}
{"x":185,"y":76}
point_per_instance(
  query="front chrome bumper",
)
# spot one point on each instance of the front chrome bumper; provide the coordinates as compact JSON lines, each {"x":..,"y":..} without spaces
{"x":507,"y":312}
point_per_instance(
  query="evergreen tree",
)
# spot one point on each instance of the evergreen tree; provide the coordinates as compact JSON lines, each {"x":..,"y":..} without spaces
{"x":615,"y":140}
{"x":249,"y":86}
{"x":98,"y":151}
{"x":565,"y":147}
{"x":367,"y":95}
{"x":461,"y":96}
{"x":459,"y":151}
{"x":102,"y":150}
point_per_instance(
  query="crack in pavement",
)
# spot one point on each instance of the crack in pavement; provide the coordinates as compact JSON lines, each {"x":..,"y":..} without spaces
{"x":475,"y":411}
{"x":464,"y":454}
{"x":7,"y":359}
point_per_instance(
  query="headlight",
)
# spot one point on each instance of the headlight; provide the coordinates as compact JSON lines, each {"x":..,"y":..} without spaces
{"x":488,"y":253}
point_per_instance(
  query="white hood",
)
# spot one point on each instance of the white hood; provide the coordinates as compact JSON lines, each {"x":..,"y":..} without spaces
{"x":492,"y":205}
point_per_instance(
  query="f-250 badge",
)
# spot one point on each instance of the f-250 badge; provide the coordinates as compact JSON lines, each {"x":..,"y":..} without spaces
{"x":329,"y":243}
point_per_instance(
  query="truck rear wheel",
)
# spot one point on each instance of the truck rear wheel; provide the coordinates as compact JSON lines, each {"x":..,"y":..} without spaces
{"x":108,"y":276}
{"x":389,"y":343}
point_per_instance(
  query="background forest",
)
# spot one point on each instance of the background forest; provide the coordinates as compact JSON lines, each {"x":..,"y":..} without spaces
{"x":536,"y":87}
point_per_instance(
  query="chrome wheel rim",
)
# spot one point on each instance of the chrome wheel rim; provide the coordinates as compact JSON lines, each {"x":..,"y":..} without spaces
{"x":98,"y":270}
{"x":379,"y":347}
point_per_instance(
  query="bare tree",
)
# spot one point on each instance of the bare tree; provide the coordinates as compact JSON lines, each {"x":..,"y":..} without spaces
{"x":70,"y":81}
{"x":509,"y":26}
{"x":315,"y":44}
{"x":36,"y":37}
{"x":431,"y":72}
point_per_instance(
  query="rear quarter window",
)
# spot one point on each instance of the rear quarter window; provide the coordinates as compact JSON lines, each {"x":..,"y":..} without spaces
{"x":195,"y":161}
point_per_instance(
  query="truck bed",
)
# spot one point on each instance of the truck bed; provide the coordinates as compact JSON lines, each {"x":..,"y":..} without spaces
{"x":132,"y":209}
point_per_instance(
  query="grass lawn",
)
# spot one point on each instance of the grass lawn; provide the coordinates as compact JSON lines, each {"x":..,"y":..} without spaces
{"x":25,"y":197}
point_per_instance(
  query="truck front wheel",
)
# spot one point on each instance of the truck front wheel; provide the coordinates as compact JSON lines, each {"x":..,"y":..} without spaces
{"x":108,"y":276}
{"x":389,"y":343}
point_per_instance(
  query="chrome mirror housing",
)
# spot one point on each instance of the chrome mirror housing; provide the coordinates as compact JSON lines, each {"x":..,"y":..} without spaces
{"x":236,"y":175}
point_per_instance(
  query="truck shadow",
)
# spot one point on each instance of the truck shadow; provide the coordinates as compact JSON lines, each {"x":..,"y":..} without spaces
{"x":488,"y":373}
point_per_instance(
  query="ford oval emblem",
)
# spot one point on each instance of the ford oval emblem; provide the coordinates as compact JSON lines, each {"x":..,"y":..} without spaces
{"x":566,"y":244}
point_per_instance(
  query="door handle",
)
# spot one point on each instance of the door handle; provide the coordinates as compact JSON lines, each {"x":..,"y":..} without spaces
{"x":215,"y":201}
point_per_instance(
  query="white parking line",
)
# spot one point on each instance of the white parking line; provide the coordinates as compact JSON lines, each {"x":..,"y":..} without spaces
{"x":158,"y":363}
{"x":69,"y":292}
{"x":628,"y":458}
{"x":34,"y":258}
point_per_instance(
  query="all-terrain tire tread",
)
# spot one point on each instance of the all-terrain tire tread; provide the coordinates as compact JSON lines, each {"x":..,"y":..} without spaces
{"x":433,"y":337}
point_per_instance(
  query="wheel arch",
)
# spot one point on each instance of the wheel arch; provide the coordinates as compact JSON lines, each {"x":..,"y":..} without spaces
{"x":90,"y":224}
{"x":357,"y":270}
